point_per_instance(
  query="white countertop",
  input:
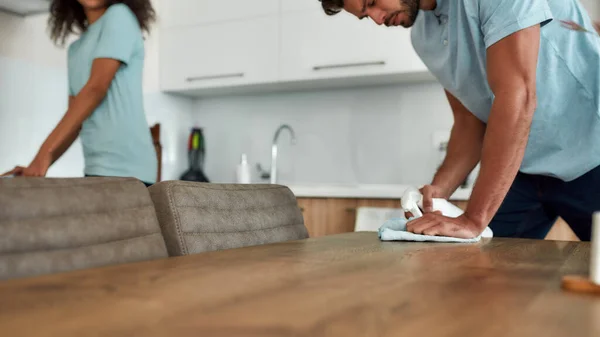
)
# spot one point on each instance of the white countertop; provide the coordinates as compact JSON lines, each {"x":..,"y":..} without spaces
{"x":360,"y":191}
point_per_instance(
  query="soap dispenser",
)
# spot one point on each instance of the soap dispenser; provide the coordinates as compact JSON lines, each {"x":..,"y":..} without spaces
{"x":243,"y":171}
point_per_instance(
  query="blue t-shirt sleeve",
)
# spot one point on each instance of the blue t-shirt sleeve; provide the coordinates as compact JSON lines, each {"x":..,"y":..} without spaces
{"x":120,"y":34}
{"x":501,"y":18}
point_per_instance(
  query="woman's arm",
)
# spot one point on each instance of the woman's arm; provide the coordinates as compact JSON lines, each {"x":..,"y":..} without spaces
{"x":67,"y":144}
{"x":80,"y":108}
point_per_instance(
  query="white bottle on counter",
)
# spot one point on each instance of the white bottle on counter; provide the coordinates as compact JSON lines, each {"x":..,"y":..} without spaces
{"x":243,"y":171}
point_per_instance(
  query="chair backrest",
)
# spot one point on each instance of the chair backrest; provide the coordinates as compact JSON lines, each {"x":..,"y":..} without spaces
{"x":200,"y":217}
{"x":57,"y":225}
{"x":369,"y":219}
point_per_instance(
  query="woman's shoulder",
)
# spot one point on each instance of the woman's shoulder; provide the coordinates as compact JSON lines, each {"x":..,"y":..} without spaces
{"x":120,"y":12}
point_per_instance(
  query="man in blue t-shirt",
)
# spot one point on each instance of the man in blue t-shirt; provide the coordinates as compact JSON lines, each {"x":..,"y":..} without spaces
{"x":525,"y":93}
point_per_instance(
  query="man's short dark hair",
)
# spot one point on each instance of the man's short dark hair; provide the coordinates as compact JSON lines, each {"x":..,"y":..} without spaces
{"x":332,"y":7}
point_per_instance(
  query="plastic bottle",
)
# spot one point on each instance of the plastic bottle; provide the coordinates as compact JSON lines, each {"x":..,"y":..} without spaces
{"x":243,"y":171}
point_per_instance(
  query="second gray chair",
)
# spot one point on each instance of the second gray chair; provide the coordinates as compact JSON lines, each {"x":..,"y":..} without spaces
{"x":197,"y":217}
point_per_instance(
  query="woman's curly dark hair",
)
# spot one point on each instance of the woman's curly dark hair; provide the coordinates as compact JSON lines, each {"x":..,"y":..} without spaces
{"x":67,"y":17}
{"x":332,"y":7}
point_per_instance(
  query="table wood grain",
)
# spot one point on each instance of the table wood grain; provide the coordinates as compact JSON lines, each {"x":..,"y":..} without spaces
{"x":343,"y":285}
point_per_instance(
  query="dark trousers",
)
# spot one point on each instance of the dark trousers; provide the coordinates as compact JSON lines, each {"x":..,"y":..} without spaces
{"x":535,"y":202}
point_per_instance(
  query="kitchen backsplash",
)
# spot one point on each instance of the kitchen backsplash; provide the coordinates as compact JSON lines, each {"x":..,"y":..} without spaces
{"x":375,"y":135}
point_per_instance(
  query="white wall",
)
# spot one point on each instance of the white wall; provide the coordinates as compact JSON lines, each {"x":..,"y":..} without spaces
{"x":33,"y":98}
{"x":33,"y":94}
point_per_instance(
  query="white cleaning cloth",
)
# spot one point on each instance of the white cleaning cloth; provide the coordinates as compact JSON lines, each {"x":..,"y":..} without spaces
{"x":395,"y":230}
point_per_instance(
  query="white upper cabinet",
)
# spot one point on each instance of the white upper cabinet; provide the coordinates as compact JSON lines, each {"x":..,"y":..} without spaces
{"x":197,"y":12}
{"x":317,"y":46}
{"x":296,"y":5}
{"x":220,"y":55}
{"x":217,"y":46}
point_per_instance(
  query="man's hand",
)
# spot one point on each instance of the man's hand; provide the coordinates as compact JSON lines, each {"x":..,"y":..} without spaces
{"x":436,"y":224}
{"x":17,"y":171}
{"x":429,"y":192}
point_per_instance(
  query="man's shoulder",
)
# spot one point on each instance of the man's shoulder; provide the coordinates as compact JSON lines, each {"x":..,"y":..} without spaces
{"x":417,"y":32}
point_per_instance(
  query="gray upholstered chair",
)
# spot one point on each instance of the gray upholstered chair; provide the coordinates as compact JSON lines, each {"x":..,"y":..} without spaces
{"x":57,"y":225}
{"x":198,"y":217}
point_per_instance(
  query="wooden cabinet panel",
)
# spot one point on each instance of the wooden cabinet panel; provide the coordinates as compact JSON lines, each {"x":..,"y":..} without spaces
{"x":328,"y":216}
{"x":386,"y":203}
{"x":315,"y":215}
{"x":341,"y":216}
{"x":561,"y":232}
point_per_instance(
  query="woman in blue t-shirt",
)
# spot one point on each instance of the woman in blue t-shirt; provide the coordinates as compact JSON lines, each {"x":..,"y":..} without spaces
{"x":105,"y":90}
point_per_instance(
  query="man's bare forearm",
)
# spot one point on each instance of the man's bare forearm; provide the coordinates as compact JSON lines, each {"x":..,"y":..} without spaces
{"x":464,"y":149}
{"x":503,"y":151}
{"x":464,"y":152}
{"x":512,"y":75}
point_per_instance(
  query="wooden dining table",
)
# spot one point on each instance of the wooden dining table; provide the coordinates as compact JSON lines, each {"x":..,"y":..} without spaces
{"x":343,"y":285}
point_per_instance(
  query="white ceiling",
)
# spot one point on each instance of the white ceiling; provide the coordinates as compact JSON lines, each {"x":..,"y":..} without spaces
{"x":24,"y":7}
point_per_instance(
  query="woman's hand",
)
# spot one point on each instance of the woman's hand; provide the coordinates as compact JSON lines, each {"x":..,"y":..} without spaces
{"x":39,"y":166}
{"x":17,"y":171}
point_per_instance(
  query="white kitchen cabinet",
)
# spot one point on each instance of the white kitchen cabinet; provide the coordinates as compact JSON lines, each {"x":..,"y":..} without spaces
{"x":242,"y":46}
{"x":295,"y":5}
{"x":316,"y":46}
{"x":176,"y":13}
{"x":221,"y":55}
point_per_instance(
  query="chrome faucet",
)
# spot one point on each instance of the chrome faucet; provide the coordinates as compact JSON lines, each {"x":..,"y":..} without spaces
{"x":274,"y":150}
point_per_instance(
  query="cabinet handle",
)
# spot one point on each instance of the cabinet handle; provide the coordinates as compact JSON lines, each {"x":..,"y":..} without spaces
{"x":349,"y":65}
{"x":350,"y":209}
{"x":213,"y":77}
